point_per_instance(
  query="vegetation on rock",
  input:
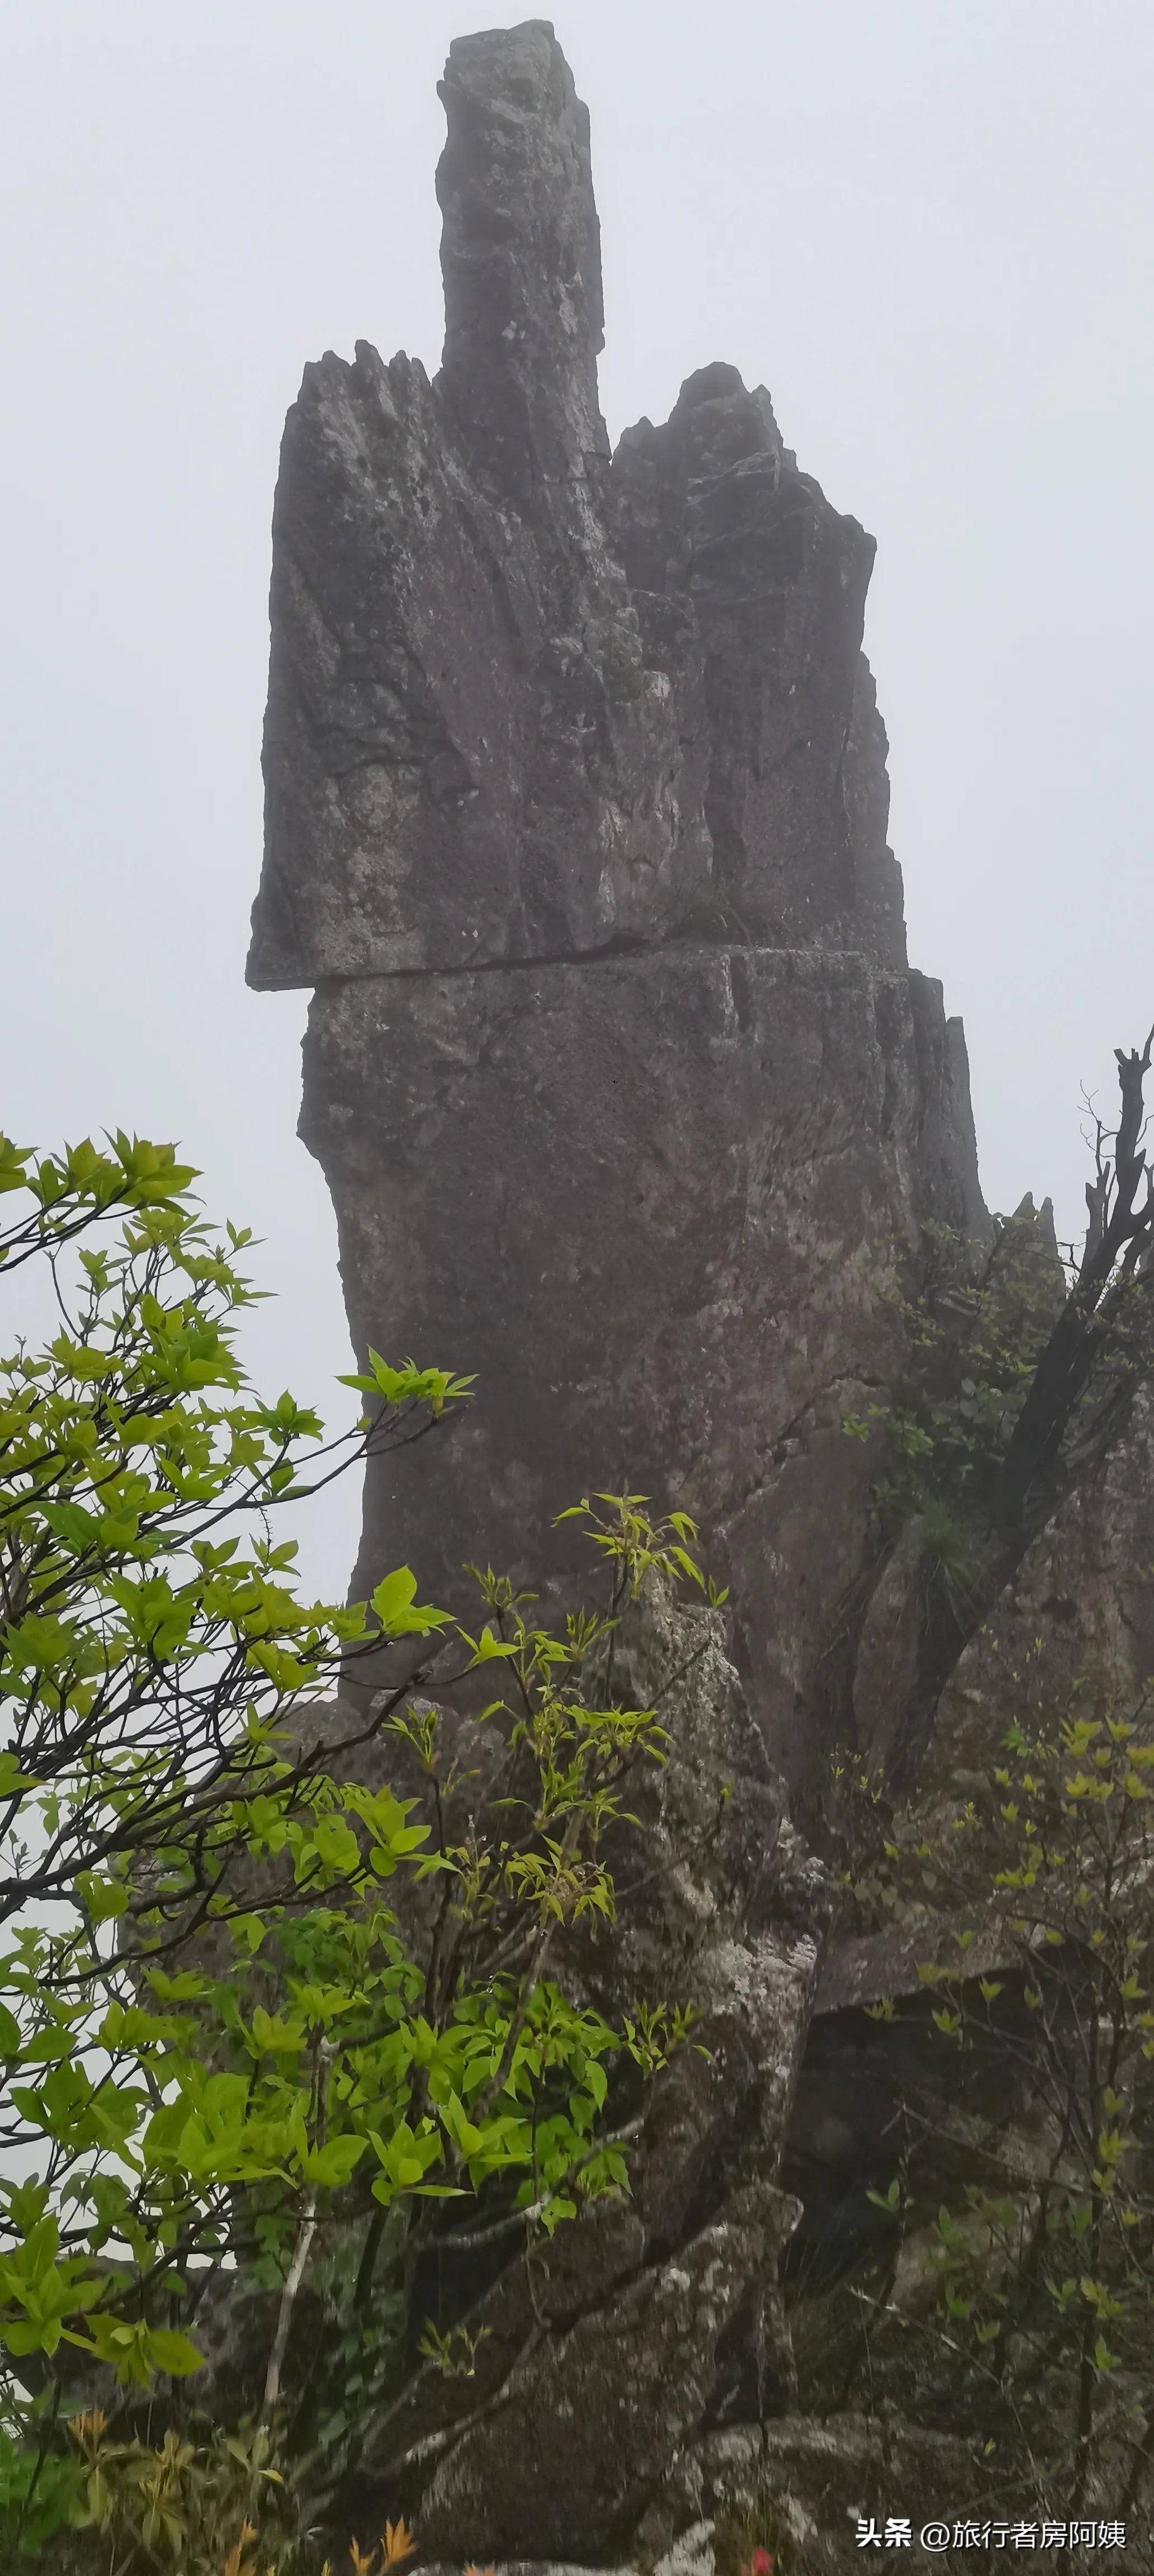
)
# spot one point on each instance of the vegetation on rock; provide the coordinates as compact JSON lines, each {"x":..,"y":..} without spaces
{"x":1018,"y":1379}
{"x":1023,"y":2301}
{"x":236,"y":2082}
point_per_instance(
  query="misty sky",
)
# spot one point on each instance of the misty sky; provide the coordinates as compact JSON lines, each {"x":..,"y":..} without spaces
{"x":926,"y":224}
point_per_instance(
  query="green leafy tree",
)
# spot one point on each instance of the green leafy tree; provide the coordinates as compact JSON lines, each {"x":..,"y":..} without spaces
{"x":223,"y":2051}
{"x":150,"y":1644}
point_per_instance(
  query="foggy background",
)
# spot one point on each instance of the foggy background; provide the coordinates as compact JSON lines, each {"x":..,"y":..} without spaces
{"x":926,"y":224}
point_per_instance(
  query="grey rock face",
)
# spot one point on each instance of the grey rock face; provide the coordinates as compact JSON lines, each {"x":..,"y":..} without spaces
{"x":523,"y":706}
{"x":630,"y":1104}
{"x":576,"y":818}
{"x":521,"y":255}
{"x":853,"y":2465}
{"x":656,"y":1204}
{"x":1084,"y":1591}
{"x":642,"y":2323}
{"x":721,"y":533}
{"x":820,"y":2477}
{"x":625,"y":2427}
{"x":467,"y":754}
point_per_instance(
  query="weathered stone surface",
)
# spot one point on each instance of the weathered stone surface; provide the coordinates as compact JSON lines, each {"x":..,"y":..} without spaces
{"x":623,"y":2427}
{"x":629,"y":1104}
{"x":518,"y":709}
{"x":527,"y":710}
{"x":1084,"y":1596}
{"x":521,"y":257}
{"x":466,"y":755}
{"x":655,"y":1204}
{"x":719,"y":1904}
{"x":716,"y":522}
{"x":862,"y":1968}
{"x":851,"y":2465}
{"x":640,"y":2324}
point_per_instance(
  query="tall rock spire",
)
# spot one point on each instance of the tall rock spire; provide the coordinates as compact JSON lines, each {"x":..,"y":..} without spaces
{"x":576,"y":816}
{"x":526,"y":705}
{"x":521,"y":257}
{"x":630,"y":1105}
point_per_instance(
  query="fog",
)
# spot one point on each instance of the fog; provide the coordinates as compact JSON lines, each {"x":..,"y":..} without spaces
{"x":926,"y":224}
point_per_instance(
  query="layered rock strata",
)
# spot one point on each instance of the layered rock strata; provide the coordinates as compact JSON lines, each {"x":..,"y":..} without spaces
{"x":576,"y":821}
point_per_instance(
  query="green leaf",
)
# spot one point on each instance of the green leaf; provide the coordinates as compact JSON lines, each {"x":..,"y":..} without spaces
{"x":333,"y":2164}
{"x":396,"y":1609}
{"x":888,"y":2200}
{"x":175,"y":2354}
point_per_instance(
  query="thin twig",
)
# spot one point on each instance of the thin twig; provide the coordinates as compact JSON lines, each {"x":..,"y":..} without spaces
{"x":301,"y":2250}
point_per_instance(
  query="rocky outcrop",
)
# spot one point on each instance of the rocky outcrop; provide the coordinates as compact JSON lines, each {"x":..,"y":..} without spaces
{"x":467,"y":757}
{"x":1078,"y":1618}
{"x":576,"y":819}
{"x":526,"y":704}
{"x":810,"y":2484}
{"x":631,"y":1105}
{"x":657,"y":1205}
{"x":614,"y":2349}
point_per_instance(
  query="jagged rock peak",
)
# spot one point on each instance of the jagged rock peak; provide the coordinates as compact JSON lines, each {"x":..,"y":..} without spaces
{"x":528,"y":702}
{"x":719,"y":382}
{"x":521,"y":256}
